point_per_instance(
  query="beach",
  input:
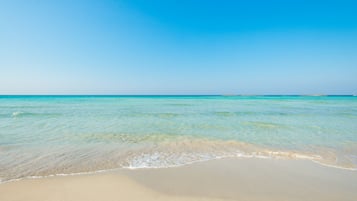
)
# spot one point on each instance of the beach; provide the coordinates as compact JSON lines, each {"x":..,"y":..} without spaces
{"x":223,"y":179}
{"x":50,"y":135}
{"x":178,"y":148}
{"x":157,"y":100}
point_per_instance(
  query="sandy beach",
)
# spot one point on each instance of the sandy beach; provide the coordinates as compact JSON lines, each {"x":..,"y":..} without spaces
{"x":134,"y":100}
{"x":224,"y":179}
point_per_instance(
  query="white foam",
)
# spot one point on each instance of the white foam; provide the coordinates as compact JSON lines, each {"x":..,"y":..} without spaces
{"x":15,"y":114}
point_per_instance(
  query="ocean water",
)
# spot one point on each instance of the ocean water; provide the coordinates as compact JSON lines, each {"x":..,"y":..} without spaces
{"x":49,"y":135}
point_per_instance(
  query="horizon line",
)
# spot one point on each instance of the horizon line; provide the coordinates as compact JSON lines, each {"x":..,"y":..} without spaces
{"x":317,"y":95}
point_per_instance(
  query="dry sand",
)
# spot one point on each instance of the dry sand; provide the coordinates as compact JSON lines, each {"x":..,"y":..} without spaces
{"x":225,"y":179}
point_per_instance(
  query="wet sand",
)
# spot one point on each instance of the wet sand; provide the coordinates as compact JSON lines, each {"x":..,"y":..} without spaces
{"x":225,"y":179}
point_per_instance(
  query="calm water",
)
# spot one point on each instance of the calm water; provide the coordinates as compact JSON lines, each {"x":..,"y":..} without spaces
{"x":46,"y":135}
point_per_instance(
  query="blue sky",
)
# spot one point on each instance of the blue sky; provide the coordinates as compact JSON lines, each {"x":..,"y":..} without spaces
{"x":178,"y":47}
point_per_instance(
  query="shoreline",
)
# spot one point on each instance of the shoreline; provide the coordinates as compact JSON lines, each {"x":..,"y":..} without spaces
{"x":103,"y":171}
{"x":222,"y":179}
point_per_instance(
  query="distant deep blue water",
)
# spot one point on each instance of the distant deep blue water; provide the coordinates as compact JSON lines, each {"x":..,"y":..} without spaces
{"x":46,"y":135}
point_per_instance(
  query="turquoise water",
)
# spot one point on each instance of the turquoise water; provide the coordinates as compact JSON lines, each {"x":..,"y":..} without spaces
{"x":46,"y":135}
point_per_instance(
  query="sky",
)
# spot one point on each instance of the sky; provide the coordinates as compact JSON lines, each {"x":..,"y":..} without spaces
{"x":178,"y":47}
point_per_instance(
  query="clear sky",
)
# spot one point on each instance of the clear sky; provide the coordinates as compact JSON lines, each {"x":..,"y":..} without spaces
{"x":178,"y":47}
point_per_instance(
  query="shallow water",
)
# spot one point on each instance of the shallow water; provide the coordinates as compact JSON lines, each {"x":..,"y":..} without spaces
{"x":45,"y":135}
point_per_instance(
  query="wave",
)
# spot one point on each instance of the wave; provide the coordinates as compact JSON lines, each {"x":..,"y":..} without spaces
{"x":150,"y":151}
{"x":32,"y":114}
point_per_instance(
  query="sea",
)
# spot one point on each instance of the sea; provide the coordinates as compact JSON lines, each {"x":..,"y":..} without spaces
{"x":59,"y":135}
